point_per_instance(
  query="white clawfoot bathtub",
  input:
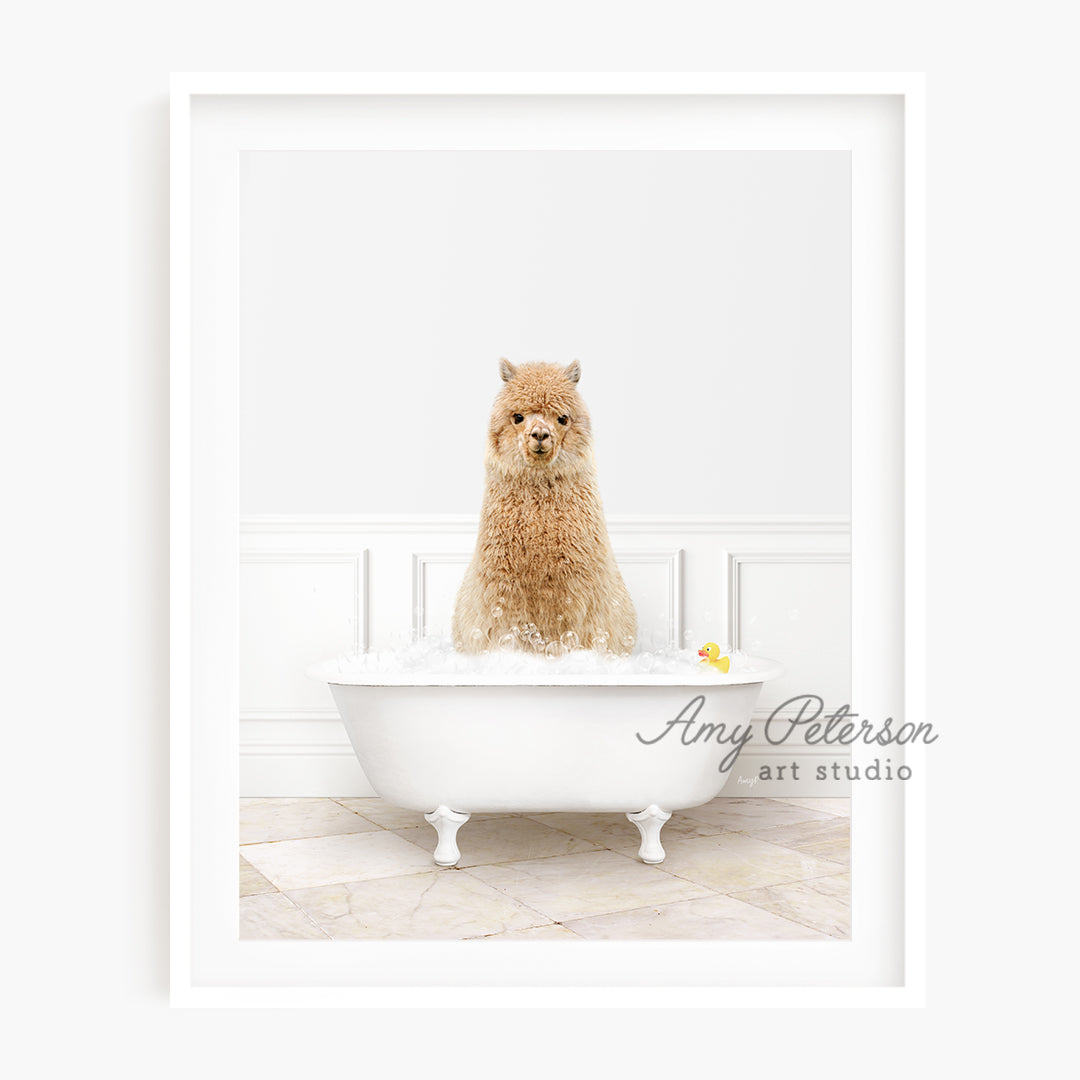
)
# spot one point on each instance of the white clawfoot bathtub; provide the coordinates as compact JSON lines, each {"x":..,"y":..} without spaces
{"x":454,"y":745}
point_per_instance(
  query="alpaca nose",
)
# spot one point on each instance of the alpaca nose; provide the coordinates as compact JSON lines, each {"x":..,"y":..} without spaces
{"x":540,"y":436}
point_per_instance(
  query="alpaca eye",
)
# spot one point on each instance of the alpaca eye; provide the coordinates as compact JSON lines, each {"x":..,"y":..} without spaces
{"x":564,"y":419}
{"x":518,"y":418}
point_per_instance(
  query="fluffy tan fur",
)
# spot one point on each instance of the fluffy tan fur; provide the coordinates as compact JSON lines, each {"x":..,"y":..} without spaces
{"x":543,"y":562}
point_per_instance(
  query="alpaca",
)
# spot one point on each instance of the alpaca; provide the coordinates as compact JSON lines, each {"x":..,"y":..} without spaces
{"x":543,"y":576}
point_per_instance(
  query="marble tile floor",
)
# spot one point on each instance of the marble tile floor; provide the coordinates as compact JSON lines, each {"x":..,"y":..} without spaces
{"x":736,"y":869}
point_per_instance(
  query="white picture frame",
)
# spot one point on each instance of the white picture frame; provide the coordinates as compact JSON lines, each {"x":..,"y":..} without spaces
{"x":882,"y":964}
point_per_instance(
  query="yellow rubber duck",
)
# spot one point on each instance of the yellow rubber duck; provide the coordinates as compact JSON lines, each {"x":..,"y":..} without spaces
{"x":711,"y":652}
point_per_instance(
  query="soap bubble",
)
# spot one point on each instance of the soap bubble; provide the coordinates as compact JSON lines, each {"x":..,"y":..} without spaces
{"x":496,"y":612}
{"x":521,"y":660}
{"x":477,"y":635}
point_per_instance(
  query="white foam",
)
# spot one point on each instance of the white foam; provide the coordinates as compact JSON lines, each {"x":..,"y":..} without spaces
{"x":437,"y":656}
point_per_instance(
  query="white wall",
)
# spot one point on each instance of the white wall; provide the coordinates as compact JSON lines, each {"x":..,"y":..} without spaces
{"x":706,"y":293}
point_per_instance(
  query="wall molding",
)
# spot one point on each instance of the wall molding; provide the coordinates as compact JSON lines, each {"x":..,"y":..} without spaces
{"x":672,"y":564}
{"x":735,"y":560}
{"x":358,"y":561}
{"x":294,"y":746}
{"x":420,"y":562}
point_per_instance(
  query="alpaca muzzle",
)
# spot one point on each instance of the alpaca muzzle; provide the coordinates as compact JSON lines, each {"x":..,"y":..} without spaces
{"x":540,"y":442}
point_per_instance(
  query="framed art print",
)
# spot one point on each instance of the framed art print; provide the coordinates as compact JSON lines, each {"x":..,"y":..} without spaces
{"x":497,"y":402}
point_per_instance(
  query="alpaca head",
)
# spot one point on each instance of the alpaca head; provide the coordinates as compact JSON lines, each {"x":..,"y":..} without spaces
{"x":539,"y":424}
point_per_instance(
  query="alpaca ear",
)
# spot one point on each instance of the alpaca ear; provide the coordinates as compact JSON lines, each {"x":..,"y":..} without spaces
{"x":507,"y":370}
{"x":573,"y":372}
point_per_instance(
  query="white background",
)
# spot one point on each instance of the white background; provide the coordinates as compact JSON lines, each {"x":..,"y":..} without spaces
{"x":706,"y":294}
{"x":85,"y":219}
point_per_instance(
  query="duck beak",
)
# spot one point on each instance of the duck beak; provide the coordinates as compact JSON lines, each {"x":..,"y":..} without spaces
{"x":701,"y":652}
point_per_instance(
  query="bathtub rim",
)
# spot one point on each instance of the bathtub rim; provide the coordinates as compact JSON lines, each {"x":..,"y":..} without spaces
{"x":328,"y":671}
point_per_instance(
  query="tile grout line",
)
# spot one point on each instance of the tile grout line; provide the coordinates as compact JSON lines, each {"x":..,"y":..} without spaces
{"x":834,"y":813}
{"x":307,"y":916}
{"x":289,"y":900}
{"x":614,"y":911}
{"x":437,"y":875}
{"x":538,"y":858}
{"x":726,"y":896}
{"x":597,"y":847}
{"x":527,"y":907}
{"x":799,"y":922}
{"x":433,"y":869}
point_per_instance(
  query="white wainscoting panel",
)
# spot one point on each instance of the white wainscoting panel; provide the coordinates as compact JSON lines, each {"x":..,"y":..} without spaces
{"x":313,"y":588}
{"x":655,"y":581}
{"x":795,"y":606}
{"x":436,"y":580}
{"x":296,"y":608}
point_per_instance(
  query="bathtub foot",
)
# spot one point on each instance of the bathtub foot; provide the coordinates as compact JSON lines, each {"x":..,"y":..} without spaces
{"x":649,"y":822}
{"x":446,"y":822}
